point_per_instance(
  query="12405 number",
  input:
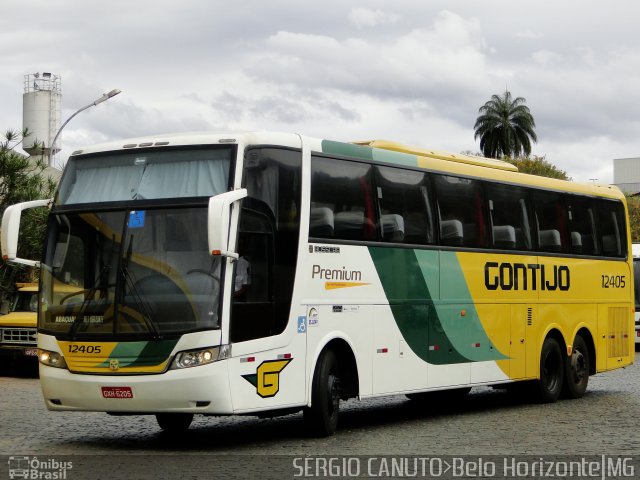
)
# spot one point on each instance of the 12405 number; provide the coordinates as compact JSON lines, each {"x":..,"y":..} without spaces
{"x":613,"y":281}
{"x":85,"y":349}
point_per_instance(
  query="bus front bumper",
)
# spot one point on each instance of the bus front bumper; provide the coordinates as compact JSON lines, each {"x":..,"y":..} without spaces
{"x":202,"y":389}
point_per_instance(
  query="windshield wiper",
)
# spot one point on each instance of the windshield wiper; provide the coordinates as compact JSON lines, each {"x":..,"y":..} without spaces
{"x":99,"y":284}
{"x":140,"y":302}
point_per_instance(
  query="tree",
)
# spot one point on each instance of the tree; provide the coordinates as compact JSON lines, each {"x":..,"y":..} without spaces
{"x":633,"y":204}
{"x":505,"y":127}
{"x":538,"y":166}
{"x":21,"y":180}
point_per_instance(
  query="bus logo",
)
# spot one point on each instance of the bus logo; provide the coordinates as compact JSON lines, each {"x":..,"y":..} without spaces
{"x":267,"y":377}
{"x":114,"y":365}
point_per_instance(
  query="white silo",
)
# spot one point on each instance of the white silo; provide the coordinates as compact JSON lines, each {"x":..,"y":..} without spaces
{"x":41,"y":112}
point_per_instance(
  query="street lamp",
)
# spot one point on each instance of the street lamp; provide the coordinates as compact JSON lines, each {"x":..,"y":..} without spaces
{"x":103,"y":98}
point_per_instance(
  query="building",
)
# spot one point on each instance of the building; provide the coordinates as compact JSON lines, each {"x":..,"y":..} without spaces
{"x":626,"y":174}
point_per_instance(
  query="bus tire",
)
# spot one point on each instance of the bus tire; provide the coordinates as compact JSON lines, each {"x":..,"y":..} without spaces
{"x":577,"y":367}
{"x":174,"y":422}
{"x":552,"y":367}
{"x":322,"y":416}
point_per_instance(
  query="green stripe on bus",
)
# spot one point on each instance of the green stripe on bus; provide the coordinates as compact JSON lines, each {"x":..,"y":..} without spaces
{"x":403,"y":281}
{"x":347,"y":150}
{"x":140,"y":354}
{"x":467,"y":333}
{"x":434,"y":330}
{"x":368,"y":153}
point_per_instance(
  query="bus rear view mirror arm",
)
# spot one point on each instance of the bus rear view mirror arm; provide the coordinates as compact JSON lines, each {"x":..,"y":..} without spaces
{"x":219,"y":216}
{"x":11,"y":228}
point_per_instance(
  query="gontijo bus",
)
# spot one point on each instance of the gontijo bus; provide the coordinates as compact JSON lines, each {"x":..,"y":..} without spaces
{"x":370,"y":269}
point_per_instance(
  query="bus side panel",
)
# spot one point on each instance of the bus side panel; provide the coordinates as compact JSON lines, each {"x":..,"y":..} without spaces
{"x":495,"y":297}
{"x":593,"y":292}
{"x":270,"y":372}
{"x":347,"y":322}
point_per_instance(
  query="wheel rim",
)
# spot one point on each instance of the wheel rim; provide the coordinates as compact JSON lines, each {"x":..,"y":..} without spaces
{"x":551,"y":371}
{"x":334,"y":395}
{"x":578,"y":366}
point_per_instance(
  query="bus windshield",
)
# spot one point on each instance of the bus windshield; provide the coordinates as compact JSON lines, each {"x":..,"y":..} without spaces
{"x":146,"y":174}
{"x":137,"y":272}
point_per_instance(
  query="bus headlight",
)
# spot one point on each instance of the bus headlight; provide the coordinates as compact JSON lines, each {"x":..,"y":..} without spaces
{"x":51,"y":359}
{"x":203,"y":356}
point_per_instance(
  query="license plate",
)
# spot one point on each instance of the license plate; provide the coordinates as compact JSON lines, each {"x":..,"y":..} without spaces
{"x":117,"y":392}
{"x":31,"y":352}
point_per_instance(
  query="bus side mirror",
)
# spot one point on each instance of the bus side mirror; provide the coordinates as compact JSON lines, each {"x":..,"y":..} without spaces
{"x":219,"y":217}
{"x":11,"y":228}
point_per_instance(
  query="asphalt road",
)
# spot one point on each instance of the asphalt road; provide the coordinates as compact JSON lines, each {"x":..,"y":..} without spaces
{"x":487,"y":423}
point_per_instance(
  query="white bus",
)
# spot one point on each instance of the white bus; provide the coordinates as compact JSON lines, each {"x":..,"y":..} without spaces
{"x":263,"y":273}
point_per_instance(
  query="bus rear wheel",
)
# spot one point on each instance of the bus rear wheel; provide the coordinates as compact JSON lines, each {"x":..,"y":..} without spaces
{"x":577,"y":367}
{"x":552,"y":367}
{"x":322,"y":416}
{"x":174,"y":422}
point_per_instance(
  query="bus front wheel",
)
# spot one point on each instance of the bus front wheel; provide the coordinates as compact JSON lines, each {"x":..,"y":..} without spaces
{"x":552,"y":368}
{"x":322,"y":416}
{"x":577,"y":366}
{"x":174,"y":422}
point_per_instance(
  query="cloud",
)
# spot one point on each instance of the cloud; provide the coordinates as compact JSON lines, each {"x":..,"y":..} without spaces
{"x":530,"y":35}
{"x":449,"y":55}
{"x":416,"y":72}
{"x":364,"y":17}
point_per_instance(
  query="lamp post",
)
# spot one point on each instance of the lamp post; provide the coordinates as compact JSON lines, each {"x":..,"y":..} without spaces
{"x":103,"y":98}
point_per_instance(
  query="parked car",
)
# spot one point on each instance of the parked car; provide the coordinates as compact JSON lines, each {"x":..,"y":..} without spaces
{"x":18,"y":333}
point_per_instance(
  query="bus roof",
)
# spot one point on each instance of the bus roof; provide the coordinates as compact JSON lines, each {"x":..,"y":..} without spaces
{"x":452,"y":157}
{"x":377,"y":151}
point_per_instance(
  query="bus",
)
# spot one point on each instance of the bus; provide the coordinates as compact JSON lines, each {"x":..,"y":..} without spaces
{"x":268,"y":273}
{"x":636,"y":276}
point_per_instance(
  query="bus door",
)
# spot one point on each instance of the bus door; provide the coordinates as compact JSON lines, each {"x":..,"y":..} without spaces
{"x":268,"y":366}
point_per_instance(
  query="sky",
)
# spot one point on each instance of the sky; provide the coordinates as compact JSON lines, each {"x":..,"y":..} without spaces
{"x":411,"y":71}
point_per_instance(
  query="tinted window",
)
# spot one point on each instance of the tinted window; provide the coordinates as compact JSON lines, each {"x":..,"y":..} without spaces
{"x":462,"y":212}
{"x":405,"y":206}
{"x":582,"y":223}
{"x":551,"y":218}
{"x":342,"y":201}
{"x":611,"y":229}
{"x":510,"y":217}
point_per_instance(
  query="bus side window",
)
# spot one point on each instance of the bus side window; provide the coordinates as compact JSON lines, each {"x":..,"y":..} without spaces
{"x":509,"y":213}
{"x":405,"y":206}
{"x":253,"y":313}
{"x":461,"y":200}
{"x":611,"y":230}
{"x":581,"y":227}
{"x":342,"y":202}
{"x":551,"y":219}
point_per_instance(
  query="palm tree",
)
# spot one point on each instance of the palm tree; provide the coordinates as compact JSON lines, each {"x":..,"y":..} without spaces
{"x":505,"y":127}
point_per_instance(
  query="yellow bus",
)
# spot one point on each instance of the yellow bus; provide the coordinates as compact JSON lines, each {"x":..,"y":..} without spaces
{"x":264,"y":273}
{"x":18,"y":335}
